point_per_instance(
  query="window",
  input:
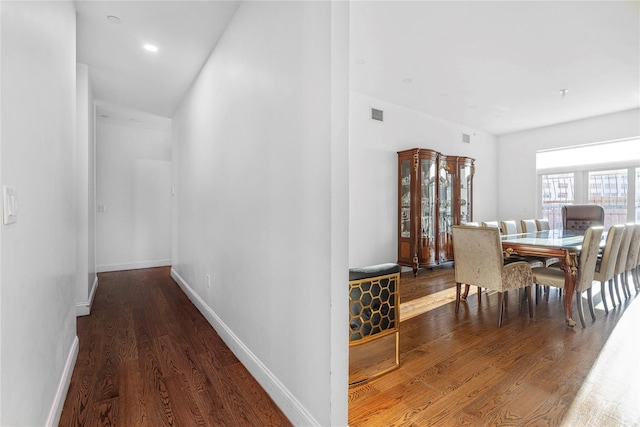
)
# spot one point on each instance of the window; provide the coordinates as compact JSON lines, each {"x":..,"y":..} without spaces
{"x":605,"y":174}
{"x":609,"y":189}
{"x":557,"y":190}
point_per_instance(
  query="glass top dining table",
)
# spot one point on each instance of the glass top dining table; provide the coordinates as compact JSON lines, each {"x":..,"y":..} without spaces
{"x":563,"y":244}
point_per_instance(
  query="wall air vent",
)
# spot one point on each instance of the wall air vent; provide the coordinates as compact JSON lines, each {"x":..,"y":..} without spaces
{"x":466,"y":138}
{"x":377,"y":114}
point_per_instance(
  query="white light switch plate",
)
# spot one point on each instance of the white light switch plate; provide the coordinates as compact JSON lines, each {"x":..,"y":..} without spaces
{"x":9,"y":205}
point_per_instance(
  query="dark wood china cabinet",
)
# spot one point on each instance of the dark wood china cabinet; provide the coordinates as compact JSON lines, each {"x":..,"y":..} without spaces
{"x":434,"y":192}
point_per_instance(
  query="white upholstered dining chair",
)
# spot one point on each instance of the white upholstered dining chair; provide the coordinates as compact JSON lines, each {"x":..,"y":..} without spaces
{"x":605,"y":267}
{"x":479,"y":261}
{"x":549,"y":276}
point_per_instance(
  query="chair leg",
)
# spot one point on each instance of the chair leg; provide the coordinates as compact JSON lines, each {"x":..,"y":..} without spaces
{"x":591,"y":307}
{"x":626,"y":284}
{"x":623,"y":284}
{"x":616,"y":280}
{"x":613,"y":298}
{"x":528,"y":291}
{"x":466,"y":292}
{"x":538,"y":294}
{"x":580,"y":308}
{"x":479,"y":295}
{"x":458,"y":289}
{"x":604,"y":297}
{"x":501,"y":304}
{"x":636,"y":283}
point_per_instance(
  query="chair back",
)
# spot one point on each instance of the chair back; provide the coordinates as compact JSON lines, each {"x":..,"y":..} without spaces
{"x":493,"y":224}
{"x":634,"y":248}
{"x":610,"y":253}
{"x":621,"y":261}
{"x":528,"y":226}
{"x":477,"y":254}
{"x":581,"y":217}
{"x":588,"y":257}
{"x":471,"y":224}
{"x":542,"y":224}
{"x":508,"y":227}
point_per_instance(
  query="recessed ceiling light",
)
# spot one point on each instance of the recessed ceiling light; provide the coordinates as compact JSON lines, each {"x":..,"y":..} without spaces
{"x":103,"y":115}
{"x":473,"y":107}
{"x":408,"y":80}
{"x":114,"y":19}
{"x":151,"y":47}
{"x":360,"y":61}
{"x":563,"y":93}
{"x":444,"y":95}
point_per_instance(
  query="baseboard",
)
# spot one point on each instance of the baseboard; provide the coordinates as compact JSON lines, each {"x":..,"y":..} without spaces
{"x":295,"y":411}
{"x":63,"y":385}
{"x":84,"y":308}
{"x":133,"y":265}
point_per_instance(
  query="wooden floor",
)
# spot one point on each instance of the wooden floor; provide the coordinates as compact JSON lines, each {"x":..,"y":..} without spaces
{"x":464,"y":370}
{"x":148,"y":358}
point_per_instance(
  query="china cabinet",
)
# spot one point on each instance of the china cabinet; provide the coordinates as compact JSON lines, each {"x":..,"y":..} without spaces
{"x":435,"y":191}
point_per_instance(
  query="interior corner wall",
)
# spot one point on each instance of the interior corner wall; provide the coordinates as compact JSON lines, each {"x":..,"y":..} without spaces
{"x":253,"y":203}
{"x":85,"y":189}
{"x":133,"y":185}
{"x":373,"y":171}
{"x":38,"y":251}
{"x":517,"y":156}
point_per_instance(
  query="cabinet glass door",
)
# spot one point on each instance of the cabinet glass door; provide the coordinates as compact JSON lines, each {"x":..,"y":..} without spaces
{"x":405,"y":198}
{"x":427,"y":209}
{"x":466,"y":175}
{"x":445,"y":251}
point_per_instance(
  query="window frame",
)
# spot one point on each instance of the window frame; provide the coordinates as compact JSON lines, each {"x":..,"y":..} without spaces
{"x":581,"y":182}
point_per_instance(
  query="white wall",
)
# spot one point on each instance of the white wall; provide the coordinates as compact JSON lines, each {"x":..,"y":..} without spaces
{"x":133,"y":183}
{"x":373,"y":173}
{"x":517,"y":193}
{"x":256,"y":166}
{"x":86,"y":278}
{"x":38,"y":260}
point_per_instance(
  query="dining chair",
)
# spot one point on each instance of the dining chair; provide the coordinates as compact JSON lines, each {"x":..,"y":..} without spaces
{"x":479,"y":261}
{"x":493,"y":224}
{"x":632,"y":256}
{"x":542,"y":224}
{"x":581,"y":217}
{"x":621,"y":260}
{"x":636,"y":273}
{"x":508,"y":227}
{"x":528,"y":226}
{"x":587,"y":260}
{"x":605,"y":267}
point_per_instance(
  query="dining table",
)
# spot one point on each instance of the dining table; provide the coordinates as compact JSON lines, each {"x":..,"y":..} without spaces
{"x":563,"y":244}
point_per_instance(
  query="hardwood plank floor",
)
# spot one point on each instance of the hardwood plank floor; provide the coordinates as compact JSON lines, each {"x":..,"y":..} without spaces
{"x":464,"y":370}
{"x":147,"y":357}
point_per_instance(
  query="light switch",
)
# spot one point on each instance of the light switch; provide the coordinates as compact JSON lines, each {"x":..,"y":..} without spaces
{"x":100,"y":208}
{"x":9,"y":205}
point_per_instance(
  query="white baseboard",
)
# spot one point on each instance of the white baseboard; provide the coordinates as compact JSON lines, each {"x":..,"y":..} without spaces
{"x":63,"y":385}
{"x":133,"y":265}
{"x":84,"y":308}
{"x":295,"y":411}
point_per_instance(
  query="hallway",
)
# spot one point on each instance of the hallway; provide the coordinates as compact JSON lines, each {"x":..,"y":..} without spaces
{"x":148,"y":358}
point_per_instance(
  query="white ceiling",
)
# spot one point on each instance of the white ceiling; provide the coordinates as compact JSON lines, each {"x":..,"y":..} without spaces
{"x":123,"y":73}
{"x":499,"y":66}
{"x":493,"y":66}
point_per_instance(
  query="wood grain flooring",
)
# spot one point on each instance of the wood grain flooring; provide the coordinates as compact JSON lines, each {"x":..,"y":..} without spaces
{"x":464,"y":370}
{"x":147,"y":357}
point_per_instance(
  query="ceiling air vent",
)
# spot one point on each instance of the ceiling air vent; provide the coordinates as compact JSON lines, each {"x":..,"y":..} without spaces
{"x":376,"y":114}
{"x":466,"y":138}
